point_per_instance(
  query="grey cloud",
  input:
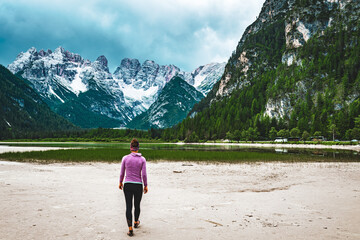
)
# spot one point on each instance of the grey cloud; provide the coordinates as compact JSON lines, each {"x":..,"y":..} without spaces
{"x":185,"y":33}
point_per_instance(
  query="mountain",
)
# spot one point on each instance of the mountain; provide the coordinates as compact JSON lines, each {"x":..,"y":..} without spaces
{"x":22,"y":109}
{"x":204,"y":77}
{"x":296,"y":67}
{"x":81,"y":91}
{"x":87,"y":94}
{"x":173,"y":104}
{"x":141,"y":84}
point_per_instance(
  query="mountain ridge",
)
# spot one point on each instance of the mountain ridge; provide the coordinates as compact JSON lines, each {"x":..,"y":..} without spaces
{"x":174,"y":102}
{"x":64,"y":80}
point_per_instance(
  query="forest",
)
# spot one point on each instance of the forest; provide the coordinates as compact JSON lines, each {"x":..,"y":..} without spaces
{"x":322,"y":88}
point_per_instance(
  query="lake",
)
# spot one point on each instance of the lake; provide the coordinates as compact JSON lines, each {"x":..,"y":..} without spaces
{"x":112,"y":152}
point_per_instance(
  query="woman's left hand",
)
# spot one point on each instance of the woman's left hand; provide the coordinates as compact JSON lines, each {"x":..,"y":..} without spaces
{"x":120,"y":186}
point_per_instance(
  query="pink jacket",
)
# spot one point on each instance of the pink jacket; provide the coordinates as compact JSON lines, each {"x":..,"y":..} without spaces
{"x":135,"y":167}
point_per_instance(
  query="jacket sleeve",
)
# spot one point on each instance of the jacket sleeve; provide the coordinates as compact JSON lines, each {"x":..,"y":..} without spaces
{"x":122,"y":171}
{"x":143,"y":171}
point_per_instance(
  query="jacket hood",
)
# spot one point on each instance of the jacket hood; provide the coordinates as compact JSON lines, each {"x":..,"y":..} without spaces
{"x":135,"y":154}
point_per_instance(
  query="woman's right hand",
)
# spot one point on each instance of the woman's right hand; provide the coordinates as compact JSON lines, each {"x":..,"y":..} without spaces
{"x":145,"y":190}
{"x":121,"y":186}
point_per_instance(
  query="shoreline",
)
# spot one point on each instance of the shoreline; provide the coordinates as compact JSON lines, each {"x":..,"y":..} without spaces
{"x":256,"y":145}
{"x":282,"y":145}
{"x":5,"y":148}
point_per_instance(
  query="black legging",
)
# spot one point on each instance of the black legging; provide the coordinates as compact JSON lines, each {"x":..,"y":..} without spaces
{"x":132,"y":190}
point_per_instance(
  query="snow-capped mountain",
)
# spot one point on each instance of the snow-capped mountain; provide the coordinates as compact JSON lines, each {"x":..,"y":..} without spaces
{"x":87,"y":93}
{"x":141,"y":84}
{"x":82,"y":91}
{"x":173,"y":104}
{"x":204,"y":77}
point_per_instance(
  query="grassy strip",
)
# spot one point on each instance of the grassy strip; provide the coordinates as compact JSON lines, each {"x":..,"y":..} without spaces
{"x":115,"y":155}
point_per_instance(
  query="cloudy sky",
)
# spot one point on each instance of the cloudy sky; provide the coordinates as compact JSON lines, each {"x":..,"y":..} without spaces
{"x":187,"y":33}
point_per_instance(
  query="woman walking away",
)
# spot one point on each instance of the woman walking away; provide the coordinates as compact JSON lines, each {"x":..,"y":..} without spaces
{"x":134,"y":165}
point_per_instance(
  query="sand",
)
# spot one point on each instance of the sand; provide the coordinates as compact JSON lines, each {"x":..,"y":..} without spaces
{"x":185,"y":201}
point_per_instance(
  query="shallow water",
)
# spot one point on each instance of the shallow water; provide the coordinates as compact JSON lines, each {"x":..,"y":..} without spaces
{"x":7,"y":148}
{"x":315,"y":154}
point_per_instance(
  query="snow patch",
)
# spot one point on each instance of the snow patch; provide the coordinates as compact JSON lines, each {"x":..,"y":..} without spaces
{"x":53,"y":93}
{"x":157,"y":123}
{"x":8,"y":123}
{"x":77,"y":85}
{"x":198,"y":80}
{"x":204,"y":77}
{"x":21,"y":60}
{"x":53,"y":59}
{"x":117,"y":108}
{"x":133,"y":94}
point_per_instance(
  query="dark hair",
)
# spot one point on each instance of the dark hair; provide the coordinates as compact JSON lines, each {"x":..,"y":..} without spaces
{"x":134,"y":143}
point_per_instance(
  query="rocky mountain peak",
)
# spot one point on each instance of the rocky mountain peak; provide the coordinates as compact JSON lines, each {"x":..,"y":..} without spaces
{"x":101,"y":63}
{"x":131,"y":64}
{"x":64,"y":78}
{"x":23,"y":60}
{"x":42,"y":53}
{"x":172,"y":105}
{"x":32,"y":50}
{"x":127,"y":70}
{"x":59,"y":49}
{"x":103,"y":60}
{"x":287,"y":25}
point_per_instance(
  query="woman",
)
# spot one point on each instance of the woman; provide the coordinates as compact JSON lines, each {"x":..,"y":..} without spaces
{"x":135,"y":167}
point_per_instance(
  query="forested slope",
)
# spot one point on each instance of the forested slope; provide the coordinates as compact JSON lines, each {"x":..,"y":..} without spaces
{"x":294,"y":71}
{"x":22,"y":111}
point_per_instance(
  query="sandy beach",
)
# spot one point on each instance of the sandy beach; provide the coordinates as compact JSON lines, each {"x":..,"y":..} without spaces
{"x":185,"y":201}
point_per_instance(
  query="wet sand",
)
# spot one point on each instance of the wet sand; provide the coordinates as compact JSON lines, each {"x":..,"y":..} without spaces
{"x":185,"y":201}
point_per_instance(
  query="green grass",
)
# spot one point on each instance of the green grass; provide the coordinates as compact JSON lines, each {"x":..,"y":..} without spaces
{"x":116,"y":154}
{"x":154,"y":146}
{"x":94,"y":139}
{"x":113,"y":152}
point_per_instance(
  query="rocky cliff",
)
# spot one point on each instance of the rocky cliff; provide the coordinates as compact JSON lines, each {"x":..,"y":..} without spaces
{"x":296,"y":66}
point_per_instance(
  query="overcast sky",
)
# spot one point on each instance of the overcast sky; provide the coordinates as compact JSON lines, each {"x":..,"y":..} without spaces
{"x":186,"y":33}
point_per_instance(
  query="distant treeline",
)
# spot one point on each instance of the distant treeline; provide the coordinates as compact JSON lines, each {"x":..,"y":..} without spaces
{"x":99,"y":134}
{"x":165,"y":135}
